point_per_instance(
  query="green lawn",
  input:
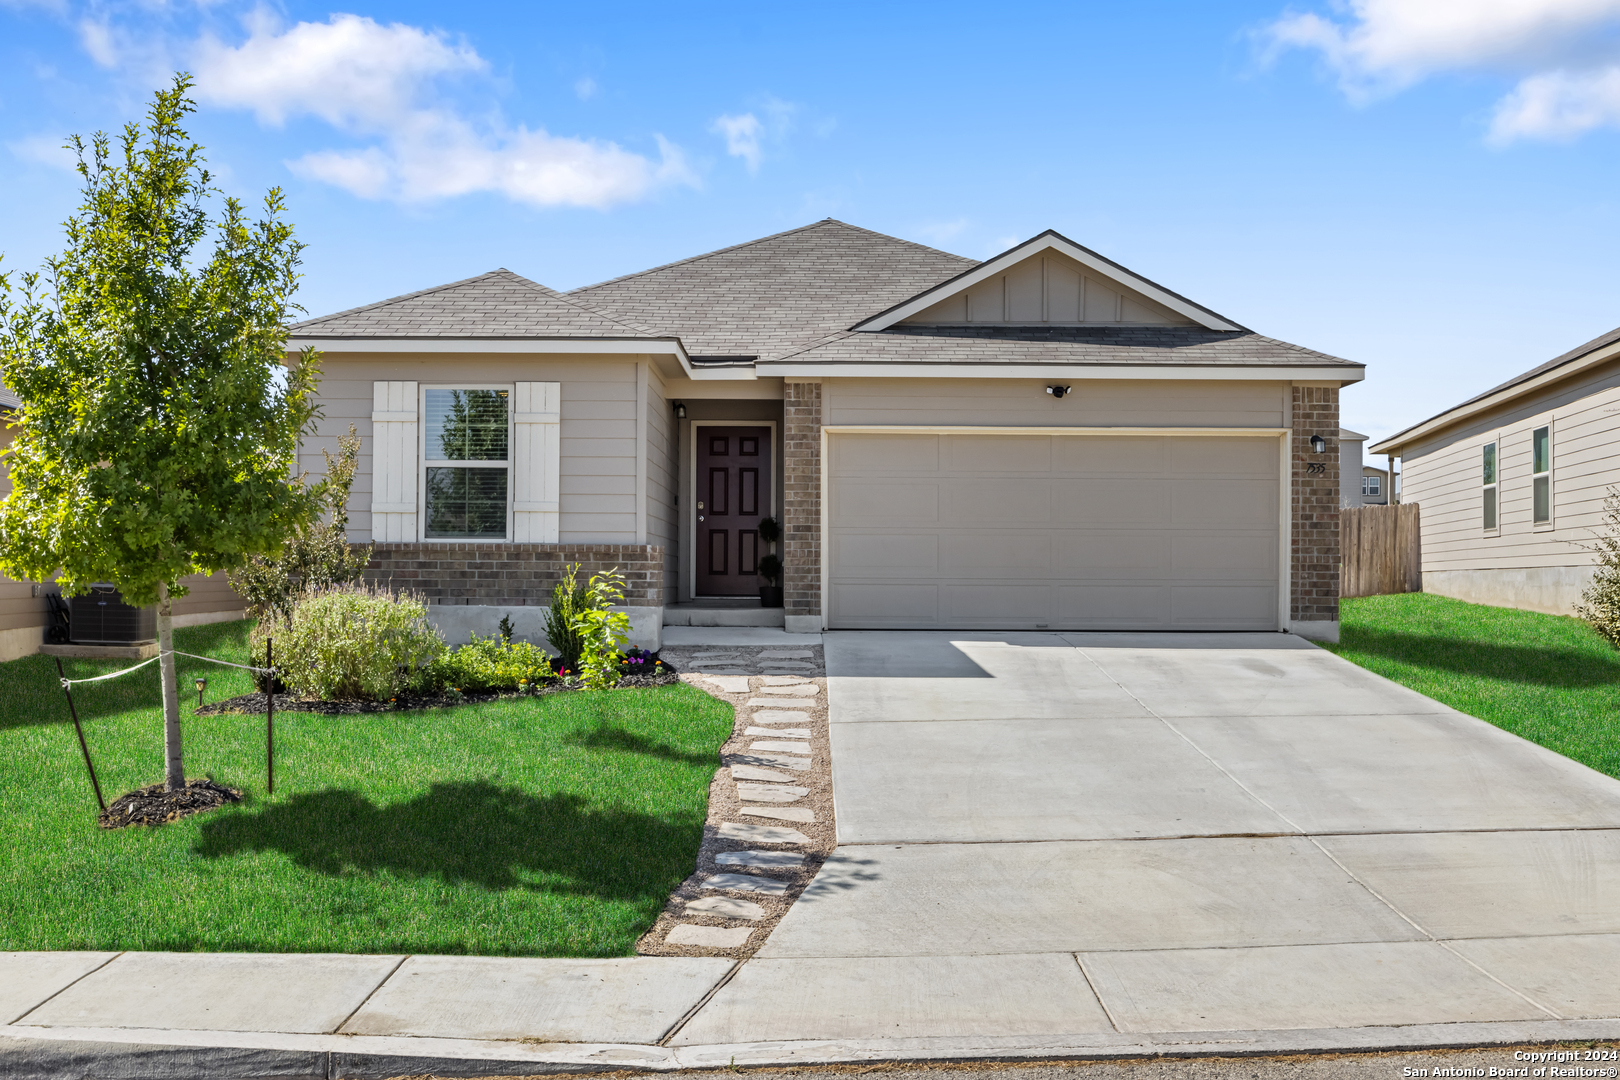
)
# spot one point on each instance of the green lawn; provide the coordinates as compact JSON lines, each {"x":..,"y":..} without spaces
{"x":550,"y":826}
{"x":1547,"y":678}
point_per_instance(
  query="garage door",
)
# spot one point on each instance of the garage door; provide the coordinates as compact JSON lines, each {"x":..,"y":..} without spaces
{"x":1052,"y":532}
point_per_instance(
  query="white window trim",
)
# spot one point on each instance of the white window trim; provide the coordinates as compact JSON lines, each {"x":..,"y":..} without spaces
{"x":423,"y":463}
{"x":1541,"y":526}
{"x":1495,"y":486}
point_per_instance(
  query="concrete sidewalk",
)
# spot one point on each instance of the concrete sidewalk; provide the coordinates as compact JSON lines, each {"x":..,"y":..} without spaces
{"x":1050,"y":846}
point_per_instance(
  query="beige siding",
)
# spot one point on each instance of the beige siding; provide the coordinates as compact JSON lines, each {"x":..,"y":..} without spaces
{"x":1443,"y":476}
{"x":1050,"y":288}
{"x":598,"y":442}
{"x":1025,"y":403}
{"x":19,"y":608}
{"x":661,"y":484}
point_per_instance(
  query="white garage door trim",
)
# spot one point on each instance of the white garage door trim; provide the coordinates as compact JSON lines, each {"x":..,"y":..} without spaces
{"x":1284,"y":480}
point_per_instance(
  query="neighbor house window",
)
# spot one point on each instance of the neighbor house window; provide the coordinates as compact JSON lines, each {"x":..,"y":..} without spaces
{"x":1490,"y":485}
{"x":1541,"y":474}
{"x":465,"y":461}
{"x":1370,"y":486}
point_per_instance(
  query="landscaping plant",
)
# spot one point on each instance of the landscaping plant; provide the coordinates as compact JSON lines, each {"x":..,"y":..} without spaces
{"x":354,"y":641}
{"x":1601,"y":601}
{"x":603,"y":632}
{"x":563,"y":627}
{"x":159,"y":422}
{"x":317,"y":554}
{"x":492,"y":663}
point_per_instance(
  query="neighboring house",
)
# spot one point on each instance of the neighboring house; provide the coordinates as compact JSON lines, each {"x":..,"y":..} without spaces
{"x":1351,"y":487}
{"x":1045,"y":440}
{"x":1374,"y":486}
{"x":23,"y":604}
{"x":1512,"y":482}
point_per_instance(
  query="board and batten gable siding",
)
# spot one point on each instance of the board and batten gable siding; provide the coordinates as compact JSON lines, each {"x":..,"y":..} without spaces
{"x":1443,"y":475}
{"x":1049,"y":288}
{"x":1025,"y":403}
{"x":597,"y":437}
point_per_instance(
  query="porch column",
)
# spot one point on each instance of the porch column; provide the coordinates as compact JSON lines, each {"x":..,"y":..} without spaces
{"x":1314,"y":570}
{"x":801,"y":506}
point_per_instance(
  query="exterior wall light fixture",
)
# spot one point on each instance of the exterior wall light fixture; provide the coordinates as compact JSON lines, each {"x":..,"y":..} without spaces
{"x":1318,"y":444}
{"x":1058,"y":391}
{"x":680,"y":410}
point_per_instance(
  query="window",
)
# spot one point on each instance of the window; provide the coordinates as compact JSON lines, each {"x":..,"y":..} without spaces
{"x":465,"y":460}
{"x":1372,"y":486}
{"x":1541,"y":474}
{"x":1490,"y":485}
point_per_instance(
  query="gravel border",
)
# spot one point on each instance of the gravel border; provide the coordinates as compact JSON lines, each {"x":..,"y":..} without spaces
{"x":724,"y":806}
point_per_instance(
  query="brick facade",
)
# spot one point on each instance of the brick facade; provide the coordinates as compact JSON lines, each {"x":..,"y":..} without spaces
{"x":1315,"y":570}
{"x":801,"y":498}
{"x":513,"y":575}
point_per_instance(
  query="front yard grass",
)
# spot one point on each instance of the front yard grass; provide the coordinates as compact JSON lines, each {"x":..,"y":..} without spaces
{"x":1547,"y":678}
{"x":548,"y":826}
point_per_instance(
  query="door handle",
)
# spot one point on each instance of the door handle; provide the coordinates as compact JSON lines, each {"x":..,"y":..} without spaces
{"x":700,"y":517}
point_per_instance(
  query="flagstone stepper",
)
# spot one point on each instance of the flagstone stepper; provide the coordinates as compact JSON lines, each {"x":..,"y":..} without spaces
{"x":751,"y":772}
{"x":783,"y":813}
{"x":783,"y":745}
{"x":760,"y":860}
{"x":710,"y":937}
{"x":726,"y":907}
{"x":762,"y":834}
{"x":771,"y":793}
{"x":747,"y":883}
{"x":786,"y":733}
{"x":770,"y":761}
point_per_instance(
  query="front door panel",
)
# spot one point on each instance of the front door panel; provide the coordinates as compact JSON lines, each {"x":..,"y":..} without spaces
{"x":733,"y":493}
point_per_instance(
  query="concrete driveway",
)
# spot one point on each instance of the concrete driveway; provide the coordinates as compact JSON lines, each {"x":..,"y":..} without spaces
{"x":1106,"y":837}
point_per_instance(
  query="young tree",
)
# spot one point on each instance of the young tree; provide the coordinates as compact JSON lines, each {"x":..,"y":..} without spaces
{"x":159,"y":423}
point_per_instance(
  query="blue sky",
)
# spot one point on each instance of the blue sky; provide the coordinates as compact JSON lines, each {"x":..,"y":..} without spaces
{"x":1425,"y":186}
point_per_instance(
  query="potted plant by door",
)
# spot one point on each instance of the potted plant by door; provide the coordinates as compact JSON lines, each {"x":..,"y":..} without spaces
{"x":770,"y":567}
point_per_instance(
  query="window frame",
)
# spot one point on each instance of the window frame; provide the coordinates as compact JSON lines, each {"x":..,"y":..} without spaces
{"x":1544,"y":477}
{"x":424,"y":463}
{"x":1375,"y":480}
{"x":1491,"y":490}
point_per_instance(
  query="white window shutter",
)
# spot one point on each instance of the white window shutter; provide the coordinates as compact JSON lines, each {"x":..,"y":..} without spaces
{"x":395,"y":471}
{"x":536,"y":461}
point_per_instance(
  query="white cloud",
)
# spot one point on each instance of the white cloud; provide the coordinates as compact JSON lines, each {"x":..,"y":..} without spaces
{"x":1563,"y":51}
{"x":585,"y":88}
{"x":97,"y":39}
{"x":742,"y":135}
{"x":44,"y":150}
{"x":383,"y":83}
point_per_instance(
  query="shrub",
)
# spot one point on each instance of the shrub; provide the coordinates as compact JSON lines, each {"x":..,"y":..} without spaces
{"x":491,"y":663}
{"x":602,"y":631}
{"x":568,"y":600}
{"x":353,"y":641}
{"x":770,"y":568}
{"x":316,"y":555}
{"x":1601,"y":600}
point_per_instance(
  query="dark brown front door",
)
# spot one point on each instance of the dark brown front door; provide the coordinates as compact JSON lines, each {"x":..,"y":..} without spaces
{"x":733,"y":493}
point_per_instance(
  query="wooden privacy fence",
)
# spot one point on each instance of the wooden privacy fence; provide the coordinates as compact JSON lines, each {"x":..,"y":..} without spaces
{"x":1381,"y":550}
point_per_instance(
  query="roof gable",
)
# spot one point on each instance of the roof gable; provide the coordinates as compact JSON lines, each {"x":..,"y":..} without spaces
{"x":499,"y":304}
{"x":777,"y":293}
{"x":1046,"y":280}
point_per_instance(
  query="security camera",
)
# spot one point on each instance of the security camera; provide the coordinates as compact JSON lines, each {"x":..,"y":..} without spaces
{"x":1058,"y":391}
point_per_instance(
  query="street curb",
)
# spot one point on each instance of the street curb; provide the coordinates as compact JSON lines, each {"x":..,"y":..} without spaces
{"x":113,"y":1054}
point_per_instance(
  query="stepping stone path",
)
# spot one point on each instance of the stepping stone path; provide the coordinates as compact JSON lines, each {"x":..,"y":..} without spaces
{"x":727,"y":907}
{"x":775,"y":790}
{"x":752,"y":772}
{"x":712,"y":937}
{"x":779,"y":717}
{"x":762,"y":834}
{"x":757,"y":860}
{"x":746,"y":883}
{"x":773,"y":793}
{"x":783,"y":813}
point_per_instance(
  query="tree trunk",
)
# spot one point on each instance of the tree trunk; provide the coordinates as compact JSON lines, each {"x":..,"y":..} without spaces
{"x":174,"y":777}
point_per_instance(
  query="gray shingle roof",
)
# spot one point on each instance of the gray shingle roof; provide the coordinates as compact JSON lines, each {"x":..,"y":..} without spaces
{"x":768,"y":296}
{"x":1137,"y":345}
{"x":499,"y":304}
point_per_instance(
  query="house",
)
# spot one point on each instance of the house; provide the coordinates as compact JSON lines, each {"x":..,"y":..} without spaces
{"x":1351,"y":485}
{"x":1043,"y":440}
{"x":1512,"y":482}
{"x":1374,"y":486}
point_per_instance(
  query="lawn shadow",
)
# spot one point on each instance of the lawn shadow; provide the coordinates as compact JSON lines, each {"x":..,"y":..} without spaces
{"x":1562,"y":668}
{"x":468,"y":832}
{"x":613,"y":738}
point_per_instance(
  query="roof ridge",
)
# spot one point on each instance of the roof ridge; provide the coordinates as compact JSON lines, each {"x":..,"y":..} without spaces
{"x":571,"y":302}
{"x":762,"y":240}
{"x":413,"y":295}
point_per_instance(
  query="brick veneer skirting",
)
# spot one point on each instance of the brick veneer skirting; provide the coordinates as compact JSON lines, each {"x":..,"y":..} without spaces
{"x":801,"y":498}
{"x":513,"y":575}
{"x":1315,"y":571}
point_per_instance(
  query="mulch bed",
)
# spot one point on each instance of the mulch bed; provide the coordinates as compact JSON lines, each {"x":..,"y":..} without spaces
{"x":154,"y":805}
{"x":258,"y":703}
